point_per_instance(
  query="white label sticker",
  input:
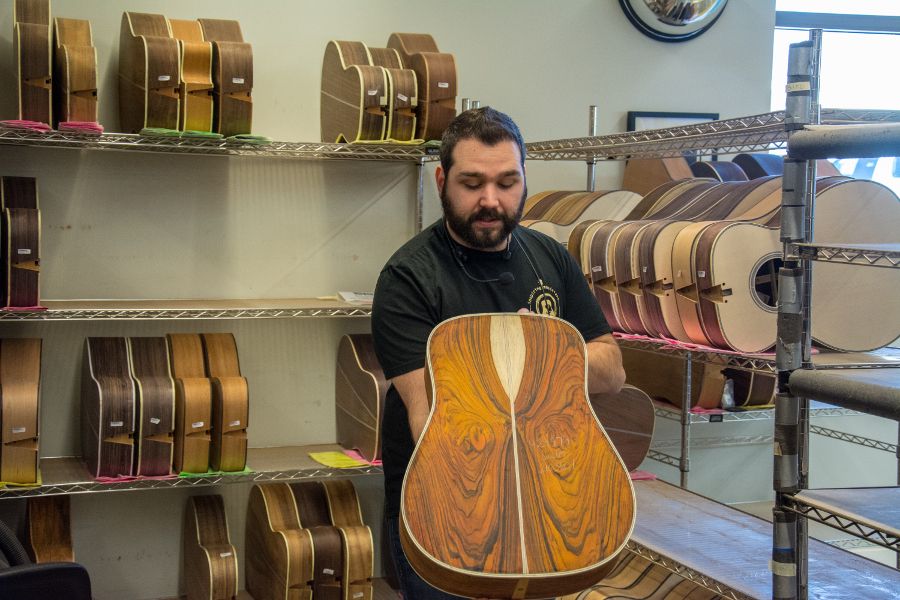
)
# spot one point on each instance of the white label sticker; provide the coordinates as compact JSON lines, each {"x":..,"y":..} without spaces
{"x":328,"y":571}
{"x":155,"y":420}
{"x":372,"y":92}
{"x":165,"y":77}
{"x":701,"y":273}
{"x":358,"y":595}
{"x":237,"y":80}
{"x":644,"y":269}
{"x":234,"y":424}
{"x":23,"y":251}
{"x":403,"y":98}
{"x":19,"y":429}
{"x":596,"y":269}
{"x":443,"y":85}
{"x":116,"y":423}
{"x":224,"y":554}
{"x":797,"y":86}
{"x":197,"y":424}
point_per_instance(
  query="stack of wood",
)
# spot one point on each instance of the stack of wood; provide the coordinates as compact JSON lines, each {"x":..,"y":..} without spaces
{"x":396,"y":94}
{"x":308,"y":540}
{"x":184,"y":75}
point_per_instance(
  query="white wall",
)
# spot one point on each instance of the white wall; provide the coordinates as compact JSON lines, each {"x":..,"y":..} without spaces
{"x":133,"y":225}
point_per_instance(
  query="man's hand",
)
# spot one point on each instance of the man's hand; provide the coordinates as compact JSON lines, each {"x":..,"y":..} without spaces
{"x":411,"y":387}
{"x":605,"y":372}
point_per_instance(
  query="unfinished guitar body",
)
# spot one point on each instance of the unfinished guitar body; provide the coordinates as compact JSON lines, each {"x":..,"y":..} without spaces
{"x":513,"y":490}
{"x":356,"y":539}
{"x":20,"y":378}
{"x":33,"y":59}
{"x":230,"y":403}
{"x":210,"y":560}
{"x":75,"y":72}
{"x":21,"y":255}
{"x":644,"y":174}
{"x":107,"y":408}
{"x":402,"y":94}
{"x":149,"y":73}
{"x":193,"y":403}
{"x":279,"y":561}
{"x":436,"y":77}
{"x":354,"y":94}
{"x":195,"y":88}
{"x":49,"y":532}
{"x":232,"y":76}
{"x":360,"y":390}
{"x":155,"y":407}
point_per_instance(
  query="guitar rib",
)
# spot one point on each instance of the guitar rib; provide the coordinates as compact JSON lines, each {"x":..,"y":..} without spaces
{"x":402,"y":94}
{"x":354,"y":94}
{"x":360,"y":390}
{"x":149,"y":72}
{"x":155,"y":407}
{"x":21,"y":233}
{"x":20,"y":378}
{"x":196,"y":84}
{"x":312,"y":506}
{"x":49,"y":532}
{"x":33,"y":61}
{"x":210,"y":560}
{"x":18,"y":192}
{"x":356,"y":539}
{"x":628,"y":419}
{"x":232,"y":70}
{"x":193,"y":403}
{"x":107,"y":407}
{"x":230,"y":403}
{"x":75,"y":72}
{"x":501,"y":495}
{"x":279,"y":551}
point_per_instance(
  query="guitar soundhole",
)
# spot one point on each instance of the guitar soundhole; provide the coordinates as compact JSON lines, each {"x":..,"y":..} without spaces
{"x":765,"y":282}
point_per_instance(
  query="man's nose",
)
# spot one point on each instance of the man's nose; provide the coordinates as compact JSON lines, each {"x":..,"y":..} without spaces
{"x":490,"y":196}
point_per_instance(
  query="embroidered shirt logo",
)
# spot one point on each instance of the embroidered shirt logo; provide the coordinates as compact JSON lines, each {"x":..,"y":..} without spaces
{"x":544,"y":300}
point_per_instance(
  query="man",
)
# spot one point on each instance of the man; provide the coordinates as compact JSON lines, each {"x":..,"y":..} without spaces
{"x":474,"y":260}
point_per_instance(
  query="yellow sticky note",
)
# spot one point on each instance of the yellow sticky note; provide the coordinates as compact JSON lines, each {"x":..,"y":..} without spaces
{"x":336,"y":460}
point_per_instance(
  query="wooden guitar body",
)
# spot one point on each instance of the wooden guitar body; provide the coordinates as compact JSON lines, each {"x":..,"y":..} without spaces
{"x":312,"y":506}
{"x":232,"y":76}
{"x":20,"y":378}
{"x":436,"y":77}
{"x":603,"y":275}
{"x":33,"y":61}
{"x":149,"y":73}
{"x":561,"y":218}
{"x":21,"y":255}
{"x":195,"y":88}
{"x":356,"y":538}
{"x":107,"y":408}
{"x":644,"y":174}
{"x":210,"y":560}
{"x":193,"y":403}
{"x":658,"y":280}
{"x":48,"y":536}
{"x":230,"y":403}
{"x":402,"y":94}
{"x":279,"y":551}
{"x":360,"y":390}
{"x":513,"y":490}
{"x":155,"y":407}
{"x":627,"y":275}
{"x":719,"y":170}
{"x":75,"y":72}
{"x":628,"y":419}
{"x":759,"y":164}
{"x":354,"y":94}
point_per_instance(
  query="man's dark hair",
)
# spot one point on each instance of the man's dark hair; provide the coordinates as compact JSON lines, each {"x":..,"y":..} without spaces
{"x":484,"y":124}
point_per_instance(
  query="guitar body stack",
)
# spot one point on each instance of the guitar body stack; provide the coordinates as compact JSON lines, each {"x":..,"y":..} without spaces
{"x":307,"y":540}
{"x":33,"y":56}
{"x":210,"y":559}
{"x":399,"y":93}
{"x":21,"y":242}
{"x":20,"y":379}
{"x":151,"y":405}
{"x":184,"y":75}
{"x":74,"y":72}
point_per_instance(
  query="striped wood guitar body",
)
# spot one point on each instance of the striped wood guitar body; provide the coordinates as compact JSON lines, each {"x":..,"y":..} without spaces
{"x":193,"y":403}
{"x":195,"y":87}
{"x":155,"y":407}
{"x":149,"y":72}
{"x":20,"y":379}
{"x":230,"y":403}
{"x":75,"y":72}
{"x":32,"y":43}
{"x":107,"y":408}
{"x":354,"y":94}
{"x":436,"y":78}
{"x":402,"y":94}
{"x":360,"y":390}
{"x":232,"y":71}
{"x":48,"y":535}
{"x":210,"y":560}
{"x":514,"y":490}
{"x":327,"y":544}
{"x":356,"y":539}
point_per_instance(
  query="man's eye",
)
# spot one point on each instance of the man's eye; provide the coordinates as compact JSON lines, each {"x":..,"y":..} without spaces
{"x":506,"y":184}
{"x":471,"y":186}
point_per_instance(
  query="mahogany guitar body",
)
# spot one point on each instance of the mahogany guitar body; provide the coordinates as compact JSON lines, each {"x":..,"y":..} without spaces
{"x":312,"y":506}
{"x":232,"y":76}
{"x":210,"y":560}
{"x":402,"y":94}
{"x":155,"y":406}
{"x":75,"y":72}
{"x":48,"y":536}
{"x":149,"y":73}
{"x":360,"y":390}
{"x":20,"y":378}
{"x":356,"y":539}
{"x":436,"y":78}
{"x":21,"y":256}
{"x":514,"y":490}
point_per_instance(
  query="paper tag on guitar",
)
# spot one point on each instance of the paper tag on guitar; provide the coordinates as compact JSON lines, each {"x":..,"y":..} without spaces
{"x":116,"y":423}
{"x":23,"y":251}
{"x":19,"y":430}
{"x":154,"y":420}
{"x":197,"y":424}
{"x":165,"y":78}
{"x":443,"y":85}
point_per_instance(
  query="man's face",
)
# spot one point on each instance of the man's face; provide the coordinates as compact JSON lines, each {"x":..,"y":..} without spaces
{"x":483,"y":193}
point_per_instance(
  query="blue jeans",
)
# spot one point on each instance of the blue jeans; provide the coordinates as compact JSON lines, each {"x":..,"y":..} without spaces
{"x":412,"y":586}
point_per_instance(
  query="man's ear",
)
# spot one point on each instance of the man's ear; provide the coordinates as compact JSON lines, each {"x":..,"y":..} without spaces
{"x":439,"y":178}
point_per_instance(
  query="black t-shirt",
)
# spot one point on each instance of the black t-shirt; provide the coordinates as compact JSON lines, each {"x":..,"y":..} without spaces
{"x":431,"y":279}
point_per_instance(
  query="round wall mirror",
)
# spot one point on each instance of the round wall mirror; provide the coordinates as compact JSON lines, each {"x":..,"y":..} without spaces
{"x":673,"y":20}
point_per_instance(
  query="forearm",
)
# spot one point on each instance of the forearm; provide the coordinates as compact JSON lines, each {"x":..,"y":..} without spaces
{"x":411,"y":387}
{"x":605,"y":372}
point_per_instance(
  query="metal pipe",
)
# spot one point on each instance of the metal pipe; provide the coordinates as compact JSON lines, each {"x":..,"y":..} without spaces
{"x":592,"y":164}
{"x":684,"y":463}
{"x":845,"y":141}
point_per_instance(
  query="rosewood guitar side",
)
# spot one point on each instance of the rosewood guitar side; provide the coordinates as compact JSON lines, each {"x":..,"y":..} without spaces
{"x":20,"y":378}
{"x":210,"y":560}
{"x":155,"y":407}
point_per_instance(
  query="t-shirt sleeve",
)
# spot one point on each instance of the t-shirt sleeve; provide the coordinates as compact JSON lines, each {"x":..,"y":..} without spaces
{"x":402,"y":320}
{"x":582,"y":309}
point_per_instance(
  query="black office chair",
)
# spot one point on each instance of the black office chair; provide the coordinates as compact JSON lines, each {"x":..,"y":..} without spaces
{"x":21,"y":579}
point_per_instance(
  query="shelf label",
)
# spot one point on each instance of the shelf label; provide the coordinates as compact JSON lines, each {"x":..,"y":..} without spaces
{"x":237,"y":80}
{"x":116,"y":423}
{"x":23,"y":251}
{"x":165,"y":77}
{"x":197,"y":424}
{"x":155,"y":420}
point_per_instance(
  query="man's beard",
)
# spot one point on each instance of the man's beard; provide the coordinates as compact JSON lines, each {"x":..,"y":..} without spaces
{"x":478,"y":238}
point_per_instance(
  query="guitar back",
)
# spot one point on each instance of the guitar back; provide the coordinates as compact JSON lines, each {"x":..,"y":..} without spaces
{"x":193,"y":403}
{"x":514,"y":489}
{"x":230,"y":403}
{"x":196,"y":85}
{"x":18,"y":192}
{"x":628,"y":419}
{"x":356,"y":537}
{"x":644,"y":174}
{"x":49,"y":532}
{"x":75,"y":71}
{"x":20,"y":378}
{"x":210,"y":560}
{"x":32,"y":44}
{"x":354,"y":94}
{"x":436,"y":76}
{"x":21,"y":255}
{"x":402,"y":95}
{"x":149,"y":73}
{"x":155,"y":406}
{"x":360,"y":390}
{"x":312,"y":506}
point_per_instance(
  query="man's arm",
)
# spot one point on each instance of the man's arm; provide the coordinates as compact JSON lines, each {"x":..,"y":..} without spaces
{"x":605,"y":372}
{"x":411,"y":387}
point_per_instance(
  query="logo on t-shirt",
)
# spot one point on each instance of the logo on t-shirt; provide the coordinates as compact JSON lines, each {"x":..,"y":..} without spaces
{"x":544,"y":300}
